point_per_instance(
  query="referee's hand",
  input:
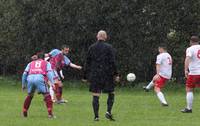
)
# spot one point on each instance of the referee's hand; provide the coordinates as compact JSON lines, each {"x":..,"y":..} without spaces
{"x":23,"y":88}
{"x":117,"y":79}
{"x":84,"y":80}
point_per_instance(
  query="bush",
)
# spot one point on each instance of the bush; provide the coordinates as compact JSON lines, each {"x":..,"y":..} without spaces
{"x":135,"y":28}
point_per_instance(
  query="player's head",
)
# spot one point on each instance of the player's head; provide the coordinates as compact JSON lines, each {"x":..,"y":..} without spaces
{"x":65,"y":49}
{"x":162,"y":48}
{"x":102,"y":35}
{"x":194,"y":40}
{"x":40,"y":55}
{"x":34,"y":57}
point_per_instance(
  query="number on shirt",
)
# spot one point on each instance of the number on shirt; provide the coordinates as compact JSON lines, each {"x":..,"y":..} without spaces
{"x":169,"y":61}
{"x":37,"y":64}
{"x":198,"y":54}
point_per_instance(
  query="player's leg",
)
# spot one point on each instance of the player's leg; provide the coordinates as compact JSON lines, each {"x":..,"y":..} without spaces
{"x":58,"y":92}
{"x":43,"y":88}
{"x":28,"y":99}
{"x":95,"y":104}
{"x":58,"y":88}
{"x":189,"y":101}
{"x":189,"y":98}
{"x":51,"y":91}
{"x":149,"y":86}
{"x":160,"y":96}
{"x":189,"y":94}
{"x":96,"y":92}
{"x":110,"y":102}
{"x":159,"y":83}
{"x":49,"y":104}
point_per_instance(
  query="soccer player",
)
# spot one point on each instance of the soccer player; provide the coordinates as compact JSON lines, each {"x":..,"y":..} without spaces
{"x":192,"y":71}
{"x":58,"y":60}
{"x":163,"y":73}
{"x":34,"y":78}
{"x":100,"y":71}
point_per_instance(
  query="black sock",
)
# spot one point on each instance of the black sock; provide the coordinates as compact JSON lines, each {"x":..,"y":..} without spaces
{"x":110,"y":102}
{"x":95,"y":104}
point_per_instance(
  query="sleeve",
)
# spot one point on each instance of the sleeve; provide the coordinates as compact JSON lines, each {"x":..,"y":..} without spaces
{"x":159,"y":59}
{"x":25,"y":75}
{"x":50,"y":73}
{"x":66,"y":60}
{"x":86,"y":69}
{"x":113,"y":60}
{"x":188,"y":52}
{"x":54,"y":52}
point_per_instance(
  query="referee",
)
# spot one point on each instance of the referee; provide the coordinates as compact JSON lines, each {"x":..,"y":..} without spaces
{"x":101,"y":71}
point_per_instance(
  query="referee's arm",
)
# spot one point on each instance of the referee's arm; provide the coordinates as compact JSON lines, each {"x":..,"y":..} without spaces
{"x":113,"y":61}
{"x":87,"y":64}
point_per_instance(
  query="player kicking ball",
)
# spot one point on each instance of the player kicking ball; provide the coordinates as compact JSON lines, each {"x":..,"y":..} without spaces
{"x":163,"y":73}
{"x":192,"y":71}
{"x":34,"y":78}
{"x":58,"y":61}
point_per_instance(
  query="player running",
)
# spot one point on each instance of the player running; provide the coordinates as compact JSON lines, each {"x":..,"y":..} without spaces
{"x":58,"y":60}
{"x":163,"y":73}
{"x":192,"y":71}
{"x":34,"y":78}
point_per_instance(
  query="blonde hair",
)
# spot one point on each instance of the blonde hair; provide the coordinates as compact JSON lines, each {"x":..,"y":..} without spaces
{"x":102,"y":35}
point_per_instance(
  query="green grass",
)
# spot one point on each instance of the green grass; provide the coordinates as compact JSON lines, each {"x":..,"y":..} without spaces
{"x":133,"y":107}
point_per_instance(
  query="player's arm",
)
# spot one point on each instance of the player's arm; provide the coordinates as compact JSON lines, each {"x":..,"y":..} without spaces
{"x":72,"y":65}
{"x":186,"y":67}
{"x":61,"y":74}
{"x":24,"y":77}
{"x":75,"y":66}
{"x":50,"y":74}
{"x":158,"y":63}
{"x":157,"y":69}
{"x":113,"y":64}
{"x":157,"y":76}
{"x":87,"y":65}
{"x":187,"y":61}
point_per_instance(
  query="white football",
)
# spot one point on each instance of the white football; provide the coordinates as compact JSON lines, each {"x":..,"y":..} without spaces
{"x":131,"y":77}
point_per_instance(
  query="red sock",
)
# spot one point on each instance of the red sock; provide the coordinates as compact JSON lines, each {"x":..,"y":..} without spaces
{"x":60,"y":91}
{"x":27,"y":103}
{"x":49,"y":103}
{"x":57,"y":93}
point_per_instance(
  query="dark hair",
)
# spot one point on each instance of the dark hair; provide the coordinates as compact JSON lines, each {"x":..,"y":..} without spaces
{"x":163,"y":45}
{"x":194,"y":39}
{"x":34,"y":57}
{"x":64,"y":46}
{"x":40,"y":55}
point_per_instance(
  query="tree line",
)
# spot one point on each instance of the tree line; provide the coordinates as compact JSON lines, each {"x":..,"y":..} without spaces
{"x":135,"y":29}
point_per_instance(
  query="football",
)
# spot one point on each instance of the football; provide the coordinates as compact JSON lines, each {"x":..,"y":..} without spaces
{"x":131,"y":77}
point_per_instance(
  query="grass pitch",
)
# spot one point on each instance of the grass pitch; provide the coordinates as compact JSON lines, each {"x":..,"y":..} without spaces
{"x":133,"y":107}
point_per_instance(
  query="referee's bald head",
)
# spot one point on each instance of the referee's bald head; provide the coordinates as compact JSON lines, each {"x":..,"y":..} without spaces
{"x":102,"y":35}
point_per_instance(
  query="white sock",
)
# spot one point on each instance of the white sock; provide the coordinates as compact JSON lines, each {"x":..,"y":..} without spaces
{"x":51,"y":92}
{"x":189,"y":99}
{"x":161,"y":97}
{"x":150,"y":85}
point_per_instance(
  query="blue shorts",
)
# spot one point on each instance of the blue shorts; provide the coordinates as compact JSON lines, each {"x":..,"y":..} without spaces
{"x":37,"y":82}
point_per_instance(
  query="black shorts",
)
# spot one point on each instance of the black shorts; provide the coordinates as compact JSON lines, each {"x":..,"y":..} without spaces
{"x":105,"y":88}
